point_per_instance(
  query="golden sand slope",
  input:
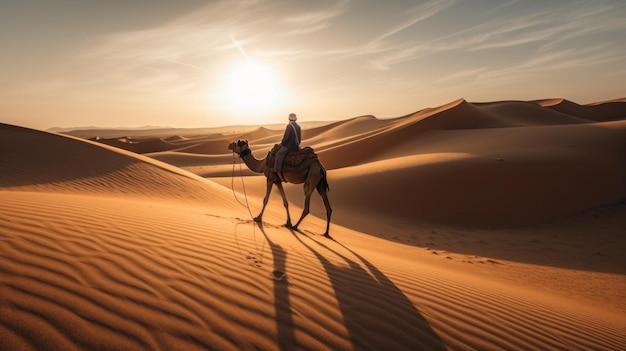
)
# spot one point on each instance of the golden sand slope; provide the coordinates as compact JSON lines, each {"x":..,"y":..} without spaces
{"x":104,"y":249}
{"x":96,"y":272}
{"x":40,"y":161}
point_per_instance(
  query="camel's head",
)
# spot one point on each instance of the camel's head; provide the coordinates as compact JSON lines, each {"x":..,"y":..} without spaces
{"x":240,"y":147}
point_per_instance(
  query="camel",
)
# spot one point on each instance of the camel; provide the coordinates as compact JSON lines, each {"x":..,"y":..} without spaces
{"x":312,"y":174}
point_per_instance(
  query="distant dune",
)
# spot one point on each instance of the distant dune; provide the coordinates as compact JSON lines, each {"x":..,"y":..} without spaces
{"x":486,"y":226}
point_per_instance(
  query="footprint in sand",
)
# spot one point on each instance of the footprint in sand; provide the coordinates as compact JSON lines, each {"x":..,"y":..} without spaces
{"x":254,"y":259}
{"x":279,"y":275}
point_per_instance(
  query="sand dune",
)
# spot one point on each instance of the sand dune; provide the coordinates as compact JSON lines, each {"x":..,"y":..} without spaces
{"x":483,"y":226}
{"x":501,"y":183}
{"x":138,"y":146}
{"x":601,"y":112}
{"x":40,"y":161}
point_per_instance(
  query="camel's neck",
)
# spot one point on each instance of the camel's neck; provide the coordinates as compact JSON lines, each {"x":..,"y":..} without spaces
{"x":257,"y":166}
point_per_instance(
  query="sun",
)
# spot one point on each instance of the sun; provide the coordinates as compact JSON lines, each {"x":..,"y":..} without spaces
{"x":249,"y":88}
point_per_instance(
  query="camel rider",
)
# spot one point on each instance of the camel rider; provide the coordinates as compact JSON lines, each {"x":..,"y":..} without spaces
{"x":291,"y":141}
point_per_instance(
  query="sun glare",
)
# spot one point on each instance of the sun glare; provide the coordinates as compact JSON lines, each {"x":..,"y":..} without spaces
{"x":249,"y":88}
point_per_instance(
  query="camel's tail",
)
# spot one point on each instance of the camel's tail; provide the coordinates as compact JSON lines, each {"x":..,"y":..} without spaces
{"x":323,"y":186}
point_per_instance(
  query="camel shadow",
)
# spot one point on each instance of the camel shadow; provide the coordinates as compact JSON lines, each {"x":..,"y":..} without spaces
{"x":282,"y":305}
{"x":377,"y":314}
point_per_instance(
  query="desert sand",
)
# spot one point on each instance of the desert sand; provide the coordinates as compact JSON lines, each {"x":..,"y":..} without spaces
{"x":470,"y":226}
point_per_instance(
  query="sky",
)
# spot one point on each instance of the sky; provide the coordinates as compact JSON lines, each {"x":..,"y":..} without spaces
{"x":192,"y":63}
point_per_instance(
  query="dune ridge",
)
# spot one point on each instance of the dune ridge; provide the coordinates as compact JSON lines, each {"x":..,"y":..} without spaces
{"x":103,"y":248}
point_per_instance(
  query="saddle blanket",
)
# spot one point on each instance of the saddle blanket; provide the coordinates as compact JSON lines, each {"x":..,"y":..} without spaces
{"x":293,"y":158}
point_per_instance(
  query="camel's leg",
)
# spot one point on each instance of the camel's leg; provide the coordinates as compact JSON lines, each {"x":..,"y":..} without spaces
{"x":305,"y":211}
{"x":329,"y":211}
{"x":270,"y":183}
{"x":308,"y":190}
{"x":285,"y":203}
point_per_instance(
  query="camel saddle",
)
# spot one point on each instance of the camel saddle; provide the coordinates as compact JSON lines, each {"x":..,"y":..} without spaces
{"x":294,"y":158}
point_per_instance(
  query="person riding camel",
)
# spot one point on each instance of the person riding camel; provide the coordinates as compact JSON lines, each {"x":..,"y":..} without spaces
{"x":291,"y":141}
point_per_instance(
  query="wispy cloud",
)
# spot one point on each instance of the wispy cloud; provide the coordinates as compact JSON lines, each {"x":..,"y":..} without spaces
{"x":535,"y":69}
{"x":176,"y":55}
{"x":565,"y":59}
{"x":393,"y":57}
{"x":314,"y":21}
{"x":387,"y":50}
{"x":465,"y":75}
{"x":544,"y":29}
{"x":418,"y":14}
{"x":501,"y":6}
{"x":555,"y":26}
{"x":203,"y":38}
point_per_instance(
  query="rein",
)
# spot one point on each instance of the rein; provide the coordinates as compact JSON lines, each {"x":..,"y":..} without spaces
{"x":243,"y":185}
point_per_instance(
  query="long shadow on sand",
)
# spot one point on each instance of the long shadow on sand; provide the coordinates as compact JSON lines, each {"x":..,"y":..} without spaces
{"x":377,"y":314}
{"x":284,"y":318}
{"x":585,"y":241}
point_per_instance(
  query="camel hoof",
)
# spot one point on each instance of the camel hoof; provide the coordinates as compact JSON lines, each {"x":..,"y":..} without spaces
{"x":328,"y":236}
{"x":258,"y":219}
{"x":288,"y":225}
